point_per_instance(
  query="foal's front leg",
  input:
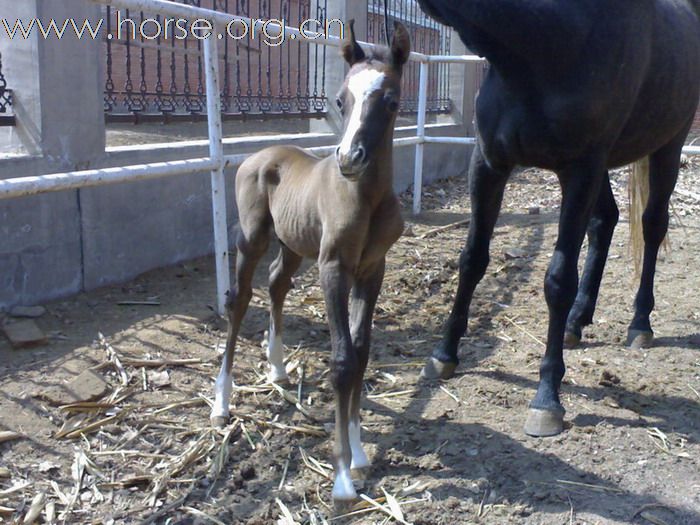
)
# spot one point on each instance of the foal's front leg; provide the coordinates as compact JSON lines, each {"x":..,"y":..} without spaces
{"x":362,"y":303}
{"x":336,"y":282}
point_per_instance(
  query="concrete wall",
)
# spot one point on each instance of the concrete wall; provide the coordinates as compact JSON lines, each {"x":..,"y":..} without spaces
{"x":57,"y":100}
{"x":56,"y":245}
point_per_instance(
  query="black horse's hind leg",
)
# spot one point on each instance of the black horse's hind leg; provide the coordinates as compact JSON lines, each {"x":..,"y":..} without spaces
{"x":663,"y":173}
{"x":600,"y":233}
{"x":486,"y":186}
{"x":580,"y":188}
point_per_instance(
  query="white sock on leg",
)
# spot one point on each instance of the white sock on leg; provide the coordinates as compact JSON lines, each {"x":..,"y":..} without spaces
{"x":359,"y":458}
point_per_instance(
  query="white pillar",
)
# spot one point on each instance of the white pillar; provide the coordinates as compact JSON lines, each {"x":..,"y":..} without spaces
{"x":218,"y":183}
{"x":58,"y":83}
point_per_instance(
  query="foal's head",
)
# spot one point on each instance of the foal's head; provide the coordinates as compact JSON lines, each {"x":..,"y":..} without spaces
{"x":369,"y":99}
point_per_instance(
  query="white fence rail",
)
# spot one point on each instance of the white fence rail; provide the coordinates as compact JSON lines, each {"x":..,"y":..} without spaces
{"x":217,"y":161}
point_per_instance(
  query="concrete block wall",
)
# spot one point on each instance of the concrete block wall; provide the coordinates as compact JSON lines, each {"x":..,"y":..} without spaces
{"x":41,"y":248}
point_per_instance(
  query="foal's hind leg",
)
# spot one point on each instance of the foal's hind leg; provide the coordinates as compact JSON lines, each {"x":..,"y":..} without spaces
{"x":251,"y":248}
{"x":486,"y":186}
{"x":600,"y":233}
{"x":663,"y":173}
{"x":281,"y":271}
{"x":362,"y":303}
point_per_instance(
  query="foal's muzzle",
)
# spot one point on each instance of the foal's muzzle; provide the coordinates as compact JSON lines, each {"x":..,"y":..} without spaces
{"x":352,"y":162}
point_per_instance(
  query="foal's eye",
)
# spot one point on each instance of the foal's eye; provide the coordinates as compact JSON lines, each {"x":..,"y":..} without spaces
{"x":339,"y":103}
{"x":393,"y":106}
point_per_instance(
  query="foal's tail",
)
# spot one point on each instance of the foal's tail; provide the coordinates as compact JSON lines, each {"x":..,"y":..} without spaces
{"x":638,"y":189}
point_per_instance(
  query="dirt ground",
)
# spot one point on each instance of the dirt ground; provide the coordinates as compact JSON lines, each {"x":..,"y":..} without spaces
{"x":444,"y":453}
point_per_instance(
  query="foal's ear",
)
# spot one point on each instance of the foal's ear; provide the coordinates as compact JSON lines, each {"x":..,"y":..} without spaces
{"x":351,"y":50}
{"x":400,"y":45}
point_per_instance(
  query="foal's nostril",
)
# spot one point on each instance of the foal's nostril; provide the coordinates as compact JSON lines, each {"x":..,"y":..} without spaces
{"x":337,"y":151}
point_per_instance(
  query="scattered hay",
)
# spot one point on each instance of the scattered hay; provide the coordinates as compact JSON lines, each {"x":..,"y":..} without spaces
{"x":590,"y":486}
{"x":9,"y":436}
{"x":35,"y":508}
{"x":663,"y":443}
{"x":199,"y":514}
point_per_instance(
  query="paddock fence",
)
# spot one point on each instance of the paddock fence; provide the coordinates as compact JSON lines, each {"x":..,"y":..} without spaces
{"x":163,"y":78}
{"x":217,"y":161}
{"x":6,"y":116}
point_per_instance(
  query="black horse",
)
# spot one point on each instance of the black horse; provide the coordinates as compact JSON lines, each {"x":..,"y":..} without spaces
{"x":577,"y":87}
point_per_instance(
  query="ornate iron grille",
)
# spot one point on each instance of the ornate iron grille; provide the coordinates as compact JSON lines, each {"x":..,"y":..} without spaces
{"x":6,"y":117}
{"x":427,"y":36}
{"x":161,"y":78}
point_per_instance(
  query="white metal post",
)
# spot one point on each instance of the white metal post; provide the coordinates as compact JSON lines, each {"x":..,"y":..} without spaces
{"x":420,"y":132}
{"x":218,"y":183}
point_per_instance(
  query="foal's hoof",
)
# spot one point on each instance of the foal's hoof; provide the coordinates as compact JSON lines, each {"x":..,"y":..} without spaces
{"x":544,"y":423}
{"x":637,"y":339}
{"x":219,"y":421}
{"x":341,"y":508}
{"x":571,"y":340}
{"x":436,"y":369}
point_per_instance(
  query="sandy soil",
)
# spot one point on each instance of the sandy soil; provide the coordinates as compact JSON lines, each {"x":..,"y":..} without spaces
{"x":448,"y":452}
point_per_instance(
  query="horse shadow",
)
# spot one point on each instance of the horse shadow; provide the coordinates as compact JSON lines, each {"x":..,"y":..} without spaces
{"x":677,"y":413}
{"x":474,"y":464}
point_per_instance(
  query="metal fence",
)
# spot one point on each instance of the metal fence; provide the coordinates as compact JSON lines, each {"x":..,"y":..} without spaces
{"x":159,"y":79}
{"x":6,"y":116}
{"x":428,"y":37}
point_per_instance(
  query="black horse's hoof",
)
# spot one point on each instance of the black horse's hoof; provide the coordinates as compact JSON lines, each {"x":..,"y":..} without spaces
{"x":637,"y":339}
{"x":544,"y":423}
{"x":571,"y":340}
{"x":436,"y":369}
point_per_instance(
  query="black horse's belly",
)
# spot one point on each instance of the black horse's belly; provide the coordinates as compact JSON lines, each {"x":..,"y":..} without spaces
{"x":632,"y":90}
{"x":547,"y":131}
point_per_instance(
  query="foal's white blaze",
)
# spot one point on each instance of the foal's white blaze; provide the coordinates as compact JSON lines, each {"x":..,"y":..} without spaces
{"x":361,"y":85}
{"x":222,"y":388}
{"x":275,"y":356}
{"x":359,"y":458}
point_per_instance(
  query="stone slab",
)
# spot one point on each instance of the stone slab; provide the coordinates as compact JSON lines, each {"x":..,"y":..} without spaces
{"x":24,"y":334}
{"x":87,"y":386}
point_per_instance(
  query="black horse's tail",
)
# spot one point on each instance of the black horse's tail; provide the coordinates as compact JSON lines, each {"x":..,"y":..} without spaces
{"x":638,"y":189}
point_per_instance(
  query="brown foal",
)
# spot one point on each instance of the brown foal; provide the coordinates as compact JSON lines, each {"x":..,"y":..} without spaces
{"x":340,"y":210}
